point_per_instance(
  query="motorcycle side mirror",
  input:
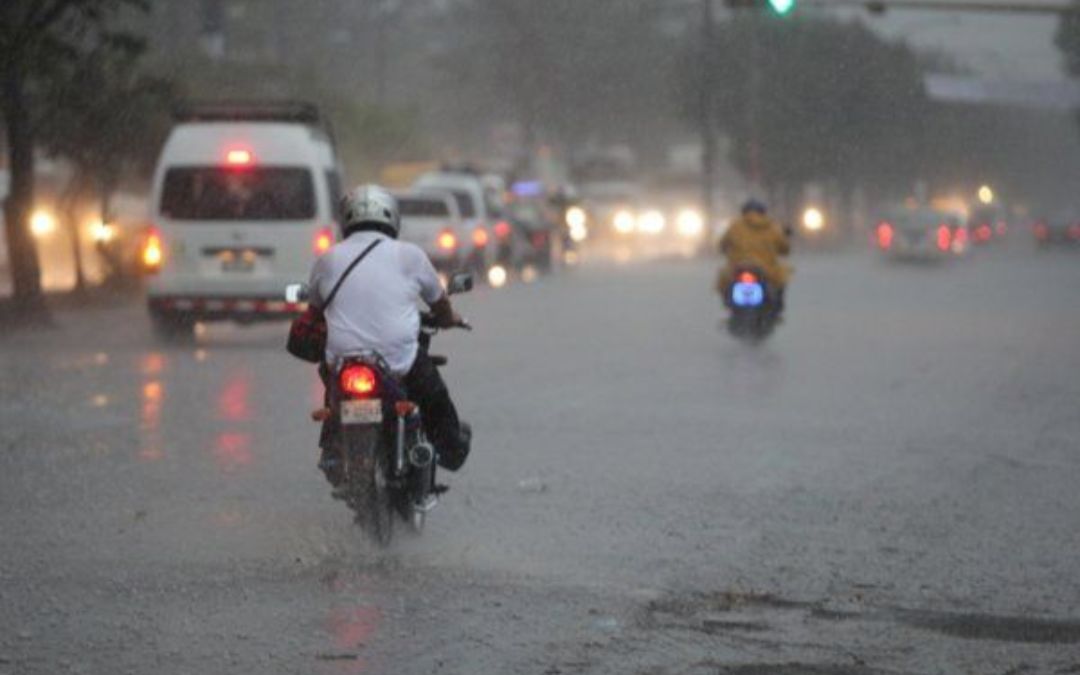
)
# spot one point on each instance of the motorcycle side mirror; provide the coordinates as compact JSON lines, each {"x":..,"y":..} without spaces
{"x":462,"y":282}
{"x":296,"y":293}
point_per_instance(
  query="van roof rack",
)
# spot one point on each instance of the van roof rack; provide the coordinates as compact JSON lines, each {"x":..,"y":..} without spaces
{"x":250,"y":111}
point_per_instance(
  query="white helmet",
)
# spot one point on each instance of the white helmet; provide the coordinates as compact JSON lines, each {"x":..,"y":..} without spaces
{"x":370,"y":205}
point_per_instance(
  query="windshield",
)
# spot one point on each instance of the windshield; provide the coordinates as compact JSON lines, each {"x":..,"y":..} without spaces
{"x":423,"y":208}
{"x":464,"y":203}
{"x":214,"y":193}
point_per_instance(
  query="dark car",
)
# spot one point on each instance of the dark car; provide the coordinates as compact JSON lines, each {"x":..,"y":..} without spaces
{"x":1063,"y":228}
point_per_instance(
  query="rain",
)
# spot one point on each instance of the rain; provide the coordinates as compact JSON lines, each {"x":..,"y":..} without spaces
{"x":759,"y":318}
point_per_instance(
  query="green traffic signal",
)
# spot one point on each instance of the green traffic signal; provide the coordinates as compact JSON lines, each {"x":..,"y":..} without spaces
{"x":782,"y":7}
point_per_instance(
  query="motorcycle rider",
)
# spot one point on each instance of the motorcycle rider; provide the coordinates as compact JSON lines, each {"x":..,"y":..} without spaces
{"x":376,"y":310}
{"x":755,"y":239}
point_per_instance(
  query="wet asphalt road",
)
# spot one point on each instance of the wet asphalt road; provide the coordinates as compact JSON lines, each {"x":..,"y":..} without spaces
{"x":890,"y":484}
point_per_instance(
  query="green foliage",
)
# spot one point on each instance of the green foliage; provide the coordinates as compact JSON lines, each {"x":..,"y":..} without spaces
{"x":104,"y":114}
{"x":832,"y":101}
{"x":1068,"y":39}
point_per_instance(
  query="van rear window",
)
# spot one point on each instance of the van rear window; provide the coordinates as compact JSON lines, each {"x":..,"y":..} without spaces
{"x":423,"y":207}
{"x":215,"y":193}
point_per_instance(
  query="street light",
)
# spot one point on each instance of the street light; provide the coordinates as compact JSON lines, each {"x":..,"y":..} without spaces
{"x":986,"y":194}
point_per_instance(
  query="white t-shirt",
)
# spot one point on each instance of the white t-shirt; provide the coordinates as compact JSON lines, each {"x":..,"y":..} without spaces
{"x":376,"y":308}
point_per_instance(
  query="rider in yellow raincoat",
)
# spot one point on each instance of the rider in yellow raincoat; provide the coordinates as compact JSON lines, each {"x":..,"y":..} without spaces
{"x":755,"y":239}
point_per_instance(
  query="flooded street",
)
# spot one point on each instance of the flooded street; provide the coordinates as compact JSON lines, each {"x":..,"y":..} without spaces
{"x":887,"y":485}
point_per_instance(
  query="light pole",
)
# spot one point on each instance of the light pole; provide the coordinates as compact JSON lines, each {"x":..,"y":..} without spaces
{"x":707,"y":103}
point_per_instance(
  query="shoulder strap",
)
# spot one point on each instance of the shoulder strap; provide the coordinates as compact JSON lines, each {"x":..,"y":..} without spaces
{"x":349,"y":269}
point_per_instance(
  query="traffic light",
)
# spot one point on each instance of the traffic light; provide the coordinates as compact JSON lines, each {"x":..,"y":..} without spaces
{"x":777,"y":7}
{"x":782,"y":7}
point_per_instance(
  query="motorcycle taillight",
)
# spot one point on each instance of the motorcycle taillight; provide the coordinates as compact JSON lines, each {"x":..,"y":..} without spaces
{"x":358,"y":380}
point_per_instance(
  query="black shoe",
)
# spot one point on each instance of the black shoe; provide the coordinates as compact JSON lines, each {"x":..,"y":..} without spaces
{"x":454,"y":459}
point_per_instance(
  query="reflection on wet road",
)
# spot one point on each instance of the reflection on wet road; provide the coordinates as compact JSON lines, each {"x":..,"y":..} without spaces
{"x":897,"y":467}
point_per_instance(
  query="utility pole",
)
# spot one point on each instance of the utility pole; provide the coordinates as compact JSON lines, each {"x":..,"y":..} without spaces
{"x":707,"y":112}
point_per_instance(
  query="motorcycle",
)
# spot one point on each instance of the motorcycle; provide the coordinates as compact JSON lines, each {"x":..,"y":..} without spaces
{"x":754,"y":306}
{"x":387,"y":463}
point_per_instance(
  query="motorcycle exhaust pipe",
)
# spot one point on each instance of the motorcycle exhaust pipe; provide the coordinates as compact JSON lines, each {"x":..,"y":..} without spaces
{"x":422,"y":458}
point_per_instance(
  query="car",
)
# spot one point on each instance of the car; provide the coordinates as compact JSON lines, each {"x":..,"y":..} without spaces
{"x":1063,"y":228}
{"x":479,"y":210}
{"x":921,"y":233}
{"x":244,"y":200}
{"x":431,"y":220}
{"x":987,"y":223}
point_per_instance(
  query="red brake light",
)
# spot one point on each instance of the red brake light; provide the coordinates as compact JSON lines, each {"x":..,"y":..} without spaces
{"x":447,"y":240}
{"x":324,"y":240}
{"x":480,"y":237}
{"x":239,"y":157}
{"x":502,"y":229}
{"x":944,"y":237}
{"x":884,"y":235}
{"x":747,"y":278}
{"x":983,"y":232}
{"x":358,"y":380}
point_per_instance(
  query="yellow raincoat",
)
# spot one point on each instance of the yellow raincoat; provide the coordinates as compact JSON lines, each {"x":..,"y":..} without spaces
{"x":754,"y":239}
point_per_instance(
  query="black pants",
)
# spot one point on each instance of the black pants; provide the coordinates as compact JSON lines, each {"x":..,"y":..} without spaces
{"x":442,"y":426}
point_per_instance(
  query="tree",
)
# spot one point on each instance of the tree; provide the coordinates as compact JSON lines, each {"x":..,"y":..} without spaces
{"x":36,"y":35}
{"x":815,"y":100}
{"x":1068,"y":40}
{"x":108,"y":119}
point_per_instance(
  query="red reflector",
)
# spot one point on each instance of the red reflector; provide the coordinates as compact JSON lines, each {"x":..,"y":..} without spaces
{"x":358,"y":380}
{"x":747,"y":278}
{"x":502,"y":229}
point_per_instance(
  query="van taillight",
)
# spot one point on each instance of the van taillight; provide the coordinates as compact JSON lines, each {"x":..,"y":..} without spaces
{"x":324,"y":240}
{"x":153,"y":252}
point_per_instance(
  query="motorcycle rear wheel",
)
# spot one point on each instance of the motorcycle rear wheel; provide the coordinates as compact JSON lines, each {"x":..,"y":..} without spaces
{"x":372,"y":500}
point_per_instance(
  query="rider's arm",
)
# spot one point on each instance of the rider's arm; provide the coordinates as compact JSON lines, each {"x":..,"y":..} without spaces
{"x":443,"y":313}
{"x":431,"y":289}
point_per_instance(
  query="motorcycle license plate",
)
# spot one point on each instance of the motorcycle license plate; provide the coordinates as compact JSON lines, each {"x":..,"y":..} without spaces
{"x":368,"y":411}
{"x":747,"y":294}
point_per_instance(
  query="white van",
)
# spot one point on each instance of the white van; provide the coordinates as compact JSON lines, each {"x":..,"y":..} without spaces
{"x":245,"y":197}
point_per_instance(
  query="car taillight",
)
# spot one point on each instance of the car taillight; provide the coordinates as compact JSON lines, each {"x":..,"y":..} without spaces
{"x":960,"y":238}
{"x":944,"y":237}
{"x":983,"y":232}
{"x":323,"y":240}
{"x":480,"y":237}
{"x":446,"y":240}
{"x":1074,"y":231}
{"x":153,"y":252}
{"x":502,"y":229}
{"x":884,"y":235}
{"x":1041,"y":231}
{"x":358,"y":380}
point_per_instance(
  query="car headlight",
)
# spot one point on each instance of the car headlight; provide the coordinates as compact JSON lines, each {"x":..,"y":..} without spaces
{"x":42,"y":223}
{"x":813,"y":219}
{"x":651,"y":222}
{"x":689,"y":223}
{"x":624,"y":221}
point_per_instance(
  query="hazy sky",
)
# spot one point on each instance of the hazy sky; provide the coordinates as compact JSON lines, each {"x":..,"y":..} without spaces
{"x":1006,"y":46}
